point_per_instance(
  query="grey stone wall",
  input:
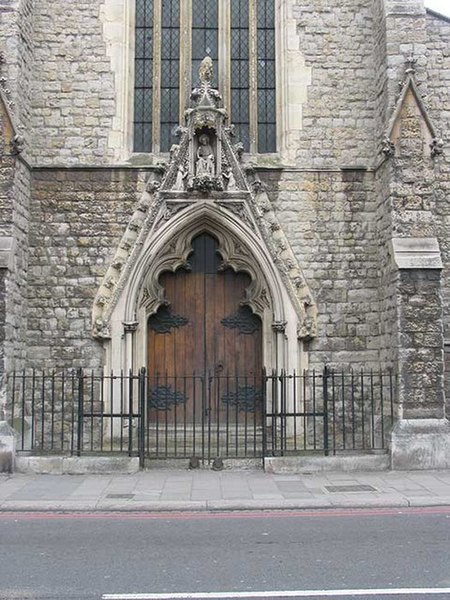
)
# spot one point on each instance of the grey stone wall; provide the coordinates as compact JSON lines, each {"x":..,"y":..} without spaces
{"x":337,"y":42}
{"x":16,"y":322}
{"x":77,"y":219}
{"x":421,"y":387}
{"x":73,"y":95}
{"x":438,"y":53}
{"x":330,"y":221}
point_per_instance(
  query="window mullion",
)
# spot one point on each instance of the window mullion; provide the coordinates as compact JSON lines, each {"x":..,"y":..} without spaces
{"x":157,"y":26}
{"x":253,"y":68}
{"x":224,"y":74}
{"x":185,"y":56}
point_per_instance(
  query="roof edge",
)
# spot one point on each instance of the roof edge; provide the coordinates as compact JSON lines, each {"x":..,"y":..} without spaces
{"x":438,"y":15}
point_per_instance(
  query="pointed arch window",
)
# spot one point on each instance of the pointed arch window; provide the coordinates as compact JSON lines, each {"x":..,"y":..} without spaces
{"x":171,"y":39}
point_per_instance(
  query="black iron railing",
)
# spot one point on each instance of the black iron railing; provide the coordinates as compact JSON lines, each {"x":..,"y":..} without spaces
{"x":329,"y":411}
{"x":201,"y":415}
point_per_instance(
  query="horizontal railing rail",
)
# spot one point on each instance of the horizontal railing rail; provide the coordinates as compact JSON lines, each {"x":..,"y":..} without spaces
{"x":203,"y":415}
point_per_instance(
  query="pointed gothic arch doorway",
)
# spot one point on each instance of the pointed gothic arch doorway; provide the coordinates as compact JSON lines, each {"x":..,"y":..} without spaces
{"x":204,"y":358}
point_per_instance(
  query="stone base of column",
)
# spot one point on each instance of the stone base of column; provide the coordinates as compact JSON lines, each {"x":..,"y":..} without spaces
{"x":7,"y":448}
{"x":420,"y":444}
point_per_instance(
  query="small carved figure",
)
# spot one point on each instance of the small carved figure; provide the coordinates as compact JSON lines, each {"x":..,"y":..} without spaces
{"x":231,"y":181}
{"x":205,"y":157}
{"x":179,"y":181}
{"x":205,"y":71}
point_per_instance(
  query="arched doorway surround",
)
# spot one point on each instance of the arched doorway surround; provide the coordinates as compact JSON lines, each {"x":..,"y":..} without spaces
{"x":168,"y":250}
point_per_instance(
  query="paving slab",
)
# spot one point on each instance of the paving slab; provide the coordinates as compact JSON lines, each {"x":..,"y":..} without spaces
{"x":169,"y":490}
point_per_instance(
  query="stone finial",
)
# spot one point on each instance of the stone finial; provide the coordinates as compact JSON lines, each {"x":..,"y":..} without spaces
{"x":437,"y":147}
{"x":410,"y":62}
{"x":206,"y":71}
{"x":388,"y":148}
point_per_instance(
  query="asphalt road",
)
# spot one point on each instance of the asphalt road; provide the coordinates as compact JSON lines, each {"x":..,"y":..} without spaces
{"x":81,"y":557}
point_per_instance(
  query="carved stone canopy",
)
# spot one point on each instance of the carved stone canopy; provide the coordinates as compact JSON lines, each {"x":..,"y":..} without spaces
{"x":206,"y":185}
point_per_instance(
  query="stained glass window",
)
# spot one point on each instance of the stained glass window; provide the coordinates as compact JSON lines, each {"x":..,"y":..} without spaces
{"x":266,"y":76}
{"x":240,"y":76}
{"x":170,"y":72}
{"x":205,"y":33}
{"x":239,"y":36}
{"x":143,"y":78}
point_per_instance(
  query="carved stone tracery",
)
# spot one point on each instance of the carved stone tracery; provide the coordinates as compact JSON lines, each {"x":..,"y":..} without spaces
{"x":234,"y":256}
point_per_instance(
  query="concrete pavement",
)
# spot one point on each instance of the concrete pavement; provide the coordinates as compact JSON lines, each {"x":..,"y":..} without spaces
{"x":183,"y":490}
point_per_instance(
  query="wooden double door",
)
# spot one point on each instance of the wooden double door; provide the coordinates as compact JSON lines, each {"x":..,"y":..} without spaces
{"x":204,"y":345}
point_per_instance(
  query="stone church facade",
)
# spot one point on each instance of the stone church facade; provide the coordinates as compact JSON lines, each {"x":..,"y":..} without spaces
{"x":334,"y":205}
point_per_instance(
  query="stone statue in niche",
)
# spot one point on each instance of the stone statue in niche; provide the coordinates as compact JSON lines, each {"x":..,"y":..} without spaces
{"x":205,"y":157}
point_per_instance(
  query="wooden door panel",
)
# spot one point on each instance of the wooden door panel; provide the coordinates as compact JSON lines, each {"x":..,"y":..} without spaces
{"x":207,"y":359}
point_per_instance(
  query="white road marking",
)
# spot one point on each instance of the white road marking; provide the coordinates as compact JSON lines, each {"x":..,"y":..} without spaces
{"x":279,"y":594}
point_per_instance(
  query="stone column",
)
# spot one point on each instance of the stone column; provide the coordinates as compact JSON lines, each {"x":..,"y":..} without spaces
{"x":421,"y":436}
{"x":129,"y":329}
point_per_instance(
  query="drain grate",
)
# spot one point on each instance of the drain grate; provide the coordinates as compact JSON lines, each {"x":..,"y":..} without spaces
{"x":336,"y":489}
{"x":121,"y":496}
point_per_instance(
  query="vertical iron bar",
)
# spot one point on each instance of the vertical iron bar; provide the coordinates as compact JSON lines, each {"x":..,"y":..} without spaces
{"x":227,"y":416}
{"x":295,"y":411}
{"x":122,"y":408}
{"x":130,"y":413}
{"x":236,"y":414}
{"x":175,"y":416}
{"x":111,"y":409}
{"x":315,"y":411}
{"x":217,"y":405}
{"x":141,"y":403}
{"x":80,"y":411}
{"x":305,"y":410}
{"x":43,"y":411}
{"x":13,"y":399}
{"x":333,"y":395}
{"x":92,"y":411}
{"x":372,"y":408}
{"x":391,"y":394}
{"x":344,"y":441}
{"x":166,"y":421}
{"x":209,"y":415}
{"x":283,"y":413}
{"x":184,"y":418}
{"x":362,"y":411}
{"x":245,"y":416}
{"x":255,"y":407}
{"x":264,"y":382}
{"x":52,"y":440}
{"x":22,"y":445}
{"x":72,"y":425}
{"x":194,"y":423}
{"x":62,"y":409}
{"x":33,"y":415}
{"x":325,"y":413}
{"x":353,"y":412}
{"x":382,"y":409}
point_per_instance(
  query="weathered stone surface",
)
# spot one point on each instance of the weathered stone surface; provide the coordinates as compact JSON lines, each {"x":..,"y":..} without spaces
{"x":7,"y":448}
{"x":421,"y":444}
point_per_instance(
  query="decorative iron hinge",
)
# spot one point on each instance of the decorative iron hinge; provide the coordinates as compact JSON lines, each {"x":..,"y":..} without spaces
{"x":244,"y":320}
{"x":164,"y":321}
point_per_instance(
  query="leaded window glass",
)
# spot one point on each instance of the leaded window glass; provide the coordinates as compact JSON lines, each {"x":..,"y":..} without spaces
{"x":170,"y":72}
{"x":205,"y":33}
{"x":240,"y":65}
{"x":143,"y":79}
{"x":266,"y":76}
{"x":172,"y":38}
